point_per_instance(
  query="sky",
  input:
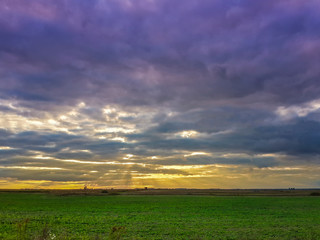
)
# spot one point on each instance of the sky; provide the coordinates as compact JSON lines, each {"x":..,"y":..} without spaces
{"x":159,"y":93}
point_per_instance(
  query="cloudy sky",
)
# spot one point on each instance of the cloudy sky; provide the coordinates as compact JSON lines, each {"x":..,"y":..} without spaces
{"x":159,"y":93}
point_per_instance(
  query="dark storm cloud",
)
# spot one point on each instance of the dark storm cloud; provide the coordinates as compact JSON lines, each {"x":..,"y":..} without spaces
{"x":212,"y":120}
{"x":260,"y":162}
{"x":52,"y":175}
{"x":54,"y":144}
{"x":300,"y":137}
{"x":37,"y":141}
{"x":183,"y":52}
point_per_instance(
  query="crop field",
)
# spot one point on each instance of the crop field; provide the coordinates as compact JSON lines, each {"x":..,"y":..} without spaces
{"x":48,"y":216}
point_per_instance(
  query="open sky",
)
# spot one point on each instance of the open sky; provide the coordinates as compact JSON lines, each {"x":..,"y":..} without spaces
{"x":159,"y":93}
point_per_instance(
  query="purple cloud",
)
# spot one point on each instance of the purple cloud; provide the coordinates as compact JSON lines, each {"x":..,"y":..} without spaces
{"x":167,"y":67}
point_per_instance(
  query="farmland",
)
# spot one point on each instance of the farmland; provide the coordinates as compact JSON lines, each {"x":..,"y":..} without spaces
{"x":53,"y":216}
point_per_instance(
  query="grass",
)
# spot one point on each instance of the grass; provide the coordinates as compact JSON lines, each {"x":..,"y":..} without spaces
{"x":45,"y":216}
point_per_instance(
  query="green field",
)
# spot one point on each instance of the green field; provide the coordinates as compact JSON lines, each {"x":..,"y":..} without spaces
{"x":46,"y":216}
